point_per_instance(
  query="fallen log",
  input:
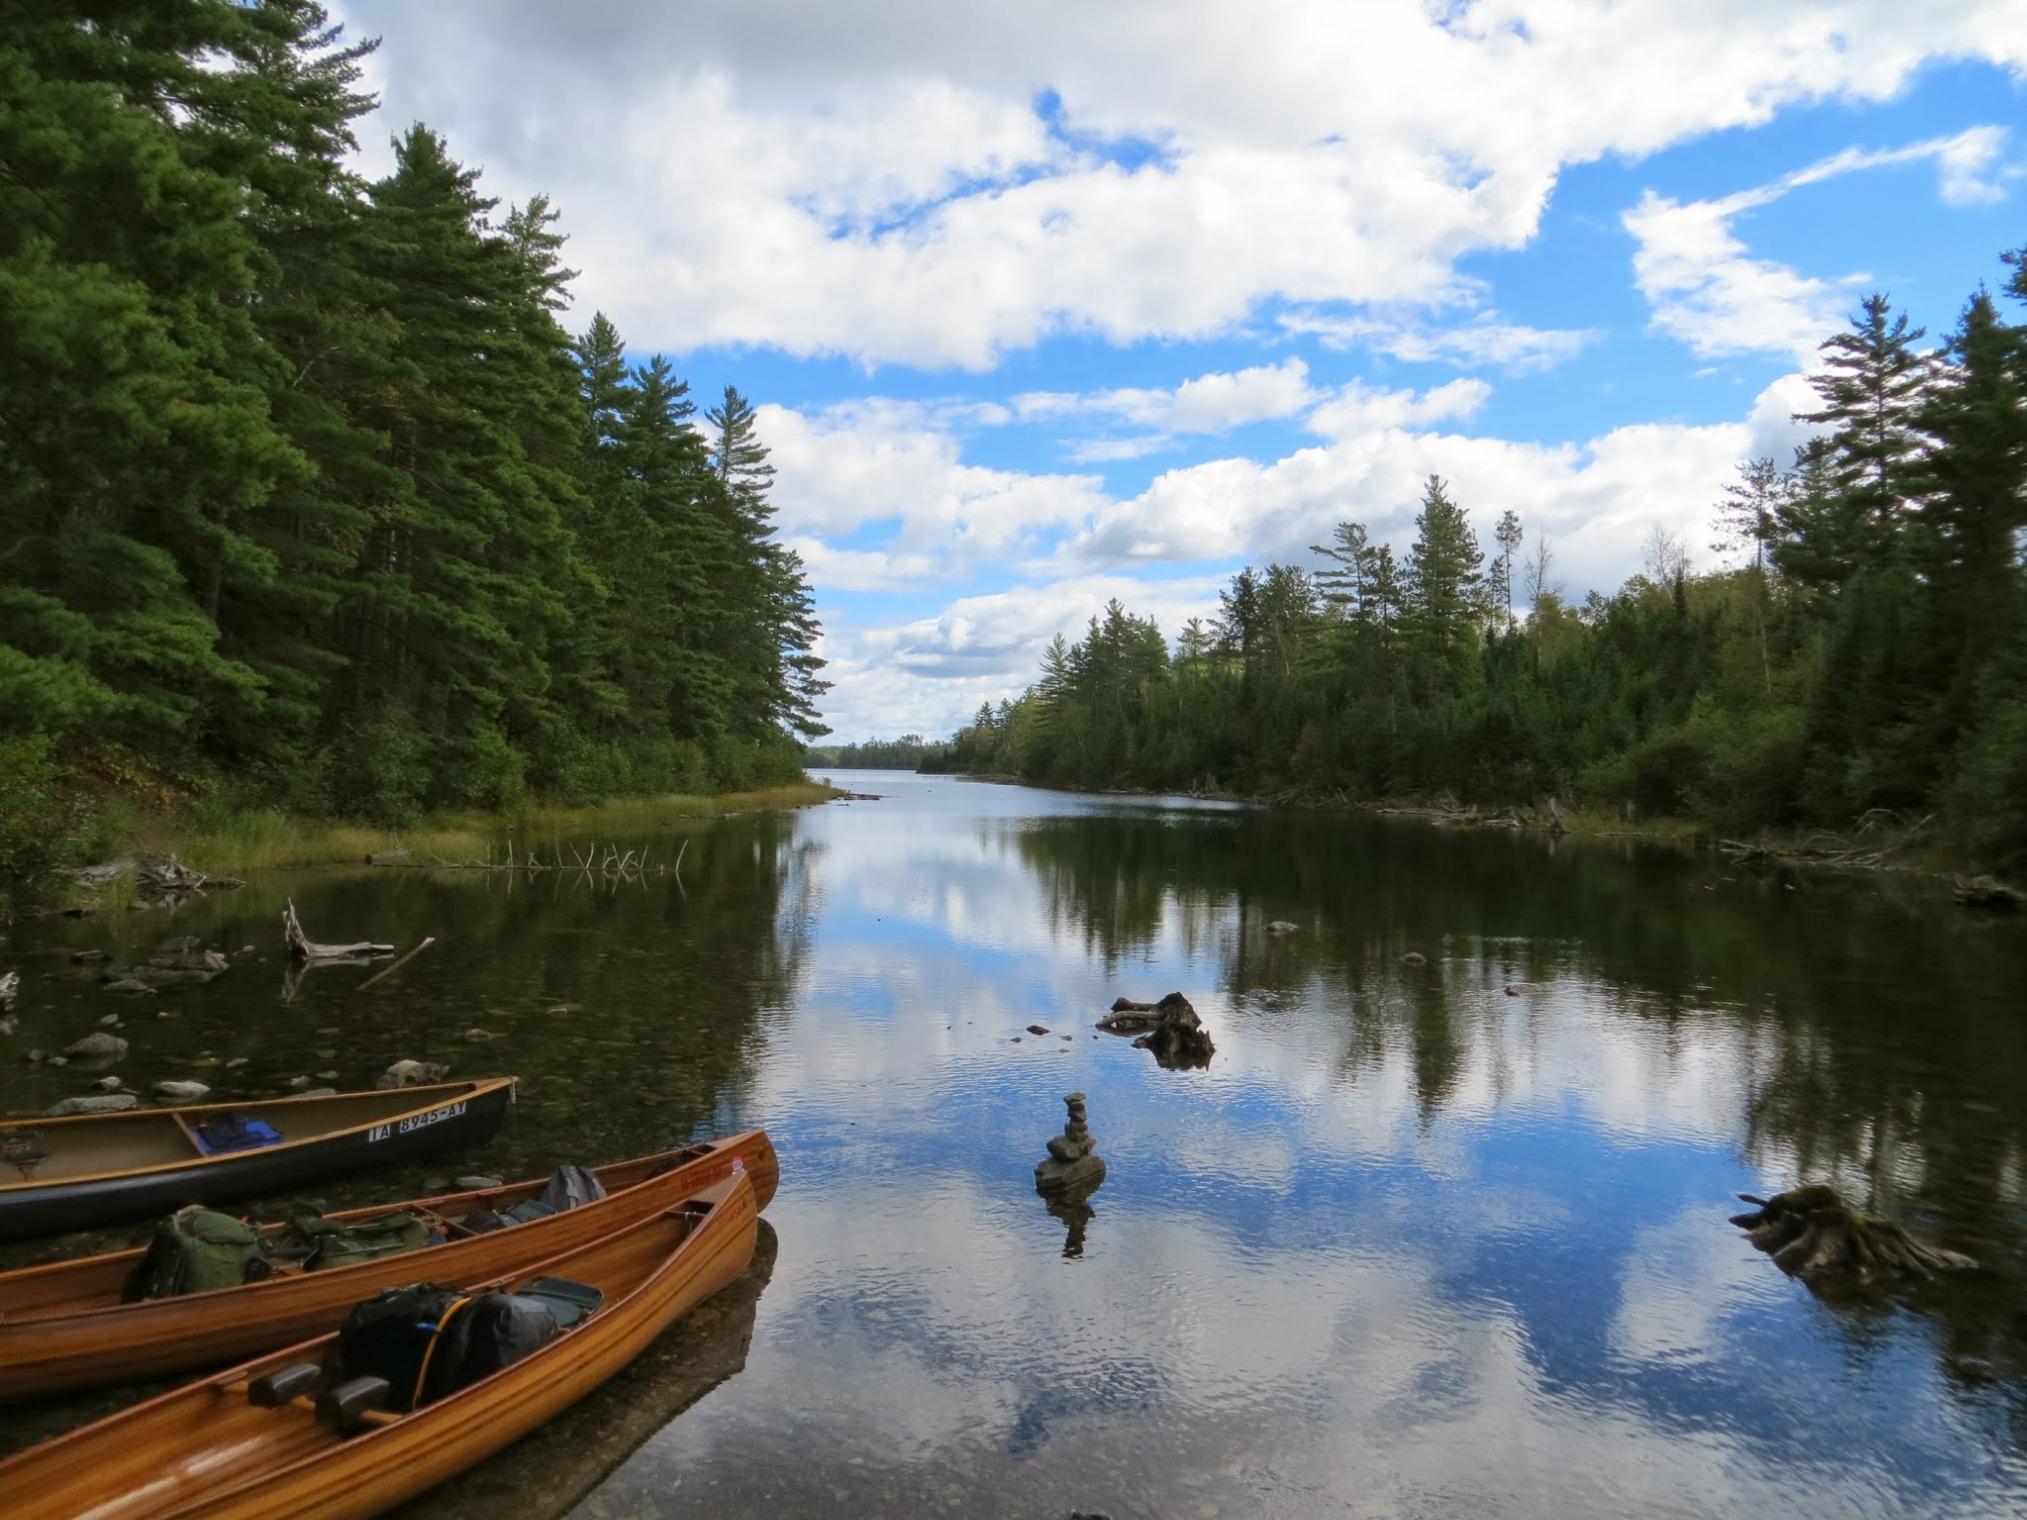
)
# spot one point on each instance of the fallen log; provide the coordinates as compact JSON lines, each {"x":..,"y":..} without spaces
{"x":1812,"y":1234}
{"x":303,"y":948}
{"x":1988,"y":892}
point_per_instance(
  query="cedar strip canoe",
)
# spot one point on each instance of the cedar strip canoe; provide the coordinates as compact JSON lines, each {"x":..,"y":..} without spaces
{"x":207,"y":1449}
{"x":63,"y":1326}
{"x":95,"y":1169}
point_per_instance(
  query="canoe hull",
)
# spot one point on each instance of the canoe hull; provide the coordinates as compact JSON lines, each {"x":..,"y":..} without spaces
{"x":45,"y":1353}
{"x":204,"y":1449}
{"x":57,"y":1207}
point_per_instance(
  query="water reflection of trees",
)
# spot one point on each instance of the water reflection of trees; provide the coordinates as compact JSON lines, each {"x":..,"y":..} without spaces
{"x":1873,"y":1031}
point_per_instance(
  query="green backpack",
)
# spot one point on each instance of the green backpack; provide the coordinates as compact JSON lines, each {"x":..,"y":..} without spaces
{"x":196,"y":1250}
{"x":325,"y":1243}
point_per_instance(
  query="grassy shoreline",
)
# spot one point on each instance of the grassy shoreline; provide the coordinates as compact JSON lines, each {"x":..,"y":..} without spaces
{"x":243,"y":842}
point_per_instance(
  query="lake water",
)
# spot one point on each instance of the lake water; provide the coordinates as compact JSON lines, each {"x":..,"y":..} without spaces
{"x":1410,"y":1246}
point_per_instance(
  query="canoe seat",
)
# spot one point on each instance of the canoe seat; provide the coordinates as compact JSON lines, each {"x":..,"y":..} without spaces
{"x":283,"y":1384}
{"x":353,"y":1404}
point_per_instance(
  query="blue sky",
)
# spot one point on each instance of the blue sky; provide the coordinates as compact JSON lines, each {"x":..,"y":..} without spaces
{"x":1044,"y":308}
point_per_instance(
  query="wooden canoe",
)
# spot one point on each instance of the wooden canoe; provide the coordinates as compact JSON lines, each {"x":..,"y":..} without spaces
{"x":207,"y":1449}
{"x":95,"y":1169}
{"x":63,"y":1326}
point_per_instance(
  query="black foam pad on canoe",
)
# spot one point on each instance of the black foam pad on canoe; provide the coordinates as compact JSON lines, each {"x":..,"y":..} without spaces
{"x":347,"y":1405}
{"x":283,"y":1384}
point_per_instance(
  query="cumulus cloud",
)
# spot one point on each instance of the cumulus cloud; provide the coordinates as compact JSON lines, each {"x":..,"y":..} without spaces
{"x":1484,"y":341}
{"x":1710,"y":293}
{"x":938,"y":183}
{"x":851,"y":467}
{"x":1213,"y":403}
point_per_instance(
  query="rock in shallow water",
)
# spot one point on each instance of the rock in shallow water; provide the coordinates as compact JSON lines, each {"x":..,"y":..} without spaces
{"x":99,"y":1103}
{"x":180,"y":1092}
{"x":98,"y":1045}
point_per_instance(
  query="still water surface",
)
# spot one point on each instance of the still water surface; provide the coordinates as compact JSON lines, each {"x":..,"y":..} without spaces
{"x":1410,"y":1246}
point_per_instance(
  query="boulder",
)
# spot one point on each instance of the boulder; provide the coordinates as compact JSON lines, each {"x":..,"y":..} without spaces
{"x":412,"y":1074}
{"x":97,"y":1046}
{"x":98,"y":1103}
{"x":181,"y":1092}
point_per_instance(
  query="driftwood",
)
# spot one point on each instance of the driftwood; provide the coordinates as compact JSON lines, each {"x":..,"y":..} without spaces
{"x":1870,"y":846}
{"x":381,"y":976}
{"x":1813,"y":1235}
{"x":303,"y":948}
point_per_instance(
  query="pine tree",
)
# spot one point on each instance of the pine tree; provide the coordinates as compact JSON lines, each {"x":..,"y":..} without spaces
{"x":1871,"y":385}
{"x":1342,"y":581}
{"x":1499,"y":587}
{"x":1445,"y":598}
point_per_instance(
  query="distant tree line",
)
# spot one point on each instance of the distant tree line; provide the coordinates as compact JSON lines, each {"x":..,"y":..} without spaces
{"x":1863,"y":647}
{"x":910,"y":752}
{"x":307,"y":495}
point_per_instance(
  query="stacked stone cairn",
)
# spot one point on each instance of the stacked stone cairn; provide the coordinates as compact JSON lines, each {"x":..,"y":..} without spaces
{"x":1073,"y":1164}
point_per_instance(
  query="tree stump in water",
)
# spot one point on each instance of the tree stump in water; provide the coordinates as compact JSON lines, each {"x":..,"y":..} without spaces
{"x":1813,"y":1235}
{"x":1178,"y":1037}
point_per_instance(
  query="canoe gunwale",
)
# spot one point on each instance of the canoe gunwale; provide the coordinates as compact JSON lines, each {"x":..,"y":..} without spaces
{"x":447,"y":1092}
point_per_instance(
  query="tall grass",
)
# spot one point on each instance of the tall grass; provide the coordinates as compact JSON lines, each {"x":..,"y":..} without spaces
{"x":238,"y":841}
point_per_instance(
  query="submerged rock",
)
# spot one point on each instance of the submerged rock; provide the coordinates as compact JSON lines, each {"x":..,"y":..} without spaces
{"x":475,"y":1183}
{"x":1414,"y":958}
{"x":97,"y":1046}
{"x":412,"y":1074}
{"x":1282,"y":926}
{"x":180,"y":1092}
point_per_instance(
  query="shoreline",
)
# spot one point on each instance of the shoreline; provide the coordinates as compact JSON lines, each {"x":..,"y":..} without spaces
{"x":255,"y":840}
{"x":1786,"y":850}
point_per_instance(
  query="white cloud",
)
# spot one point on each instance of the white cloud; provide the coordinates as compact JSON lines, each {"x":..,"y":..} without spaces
{"x":1360,"y":409}
{"x":882,"y":185}
{"x":877,"y":462}
{"x":1595,"y":501}
{"x":1212,"y":403}
{"x":1482,"y":342}
{"x":1710,"y":293}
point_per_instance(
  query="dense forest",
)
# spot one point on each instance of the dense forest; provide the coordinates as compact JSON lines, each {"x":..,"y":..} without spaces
{"x":910,"y":752}
{"x":1862,"y":647}
{"x":307,"y":496}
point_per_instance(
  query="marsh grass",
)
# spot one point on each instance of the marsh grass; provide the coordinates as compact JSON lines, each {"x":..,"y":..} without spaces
{"x":237,"y":841}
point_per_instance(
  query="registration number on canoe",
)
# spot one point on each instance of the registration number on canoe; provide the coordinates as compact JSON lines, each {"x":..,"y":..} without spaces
{"x":414,"y":1122}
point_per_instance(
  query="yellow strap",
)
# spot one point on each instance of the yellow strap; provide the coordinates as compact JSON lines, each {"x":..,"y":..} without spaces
{"x":422,"y":1373}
